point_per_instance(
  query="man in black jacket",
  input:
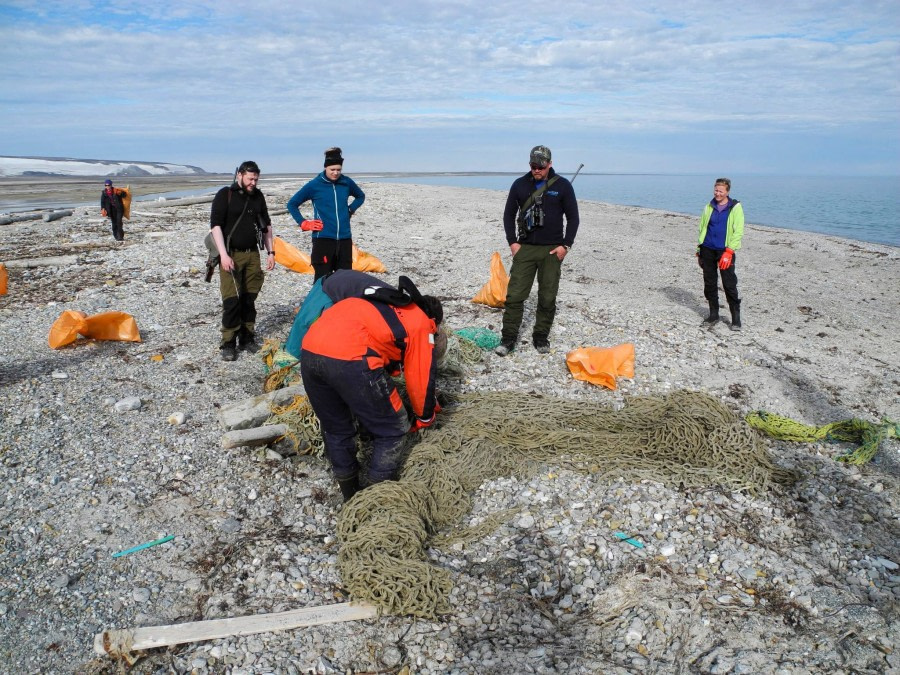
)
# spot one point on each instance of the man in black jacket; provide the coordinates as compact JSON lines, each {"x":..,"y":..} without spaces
{"x":238,"y":212}
{"x":533,"y":220}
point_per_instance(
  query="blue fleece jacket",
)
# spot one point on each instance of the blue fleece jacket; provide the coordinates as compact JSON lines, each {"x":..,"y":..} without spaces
{"x":329,"y":200}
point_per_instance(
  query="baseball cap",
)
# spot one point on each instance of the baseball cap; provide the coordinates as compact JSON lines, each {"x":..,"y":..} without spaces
{"x":540,"y":154}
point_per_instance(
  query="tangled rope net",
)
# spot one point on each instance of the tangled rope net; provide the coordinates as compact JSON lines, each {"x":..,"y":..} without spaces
{"x":684,"y":438}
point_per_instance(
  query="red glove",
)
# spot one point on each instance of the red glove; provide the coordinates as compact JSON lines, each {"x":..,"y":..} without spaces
{"x":725,"y":260}
{"x":419,"y":424}
{"x":311,"y":225}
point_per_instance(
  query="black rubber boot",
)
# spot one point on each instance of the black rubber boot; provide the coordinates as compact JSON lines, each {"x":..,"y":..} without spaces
{"x":229,"y":351}
{"x":247,"y":341}
{"x":735,"y":317}
{"x":713,"y":314}
{"x":349,"y":487}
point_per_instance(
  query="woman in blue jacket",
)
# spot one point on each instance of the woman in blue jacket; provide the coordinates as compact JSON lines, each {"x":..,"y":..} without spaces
{"x":330,"y":225}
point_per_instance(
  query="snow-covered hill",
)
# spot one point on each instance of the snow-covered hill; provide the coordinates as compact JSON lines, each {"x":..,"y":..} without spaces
{"x":65,"y":166}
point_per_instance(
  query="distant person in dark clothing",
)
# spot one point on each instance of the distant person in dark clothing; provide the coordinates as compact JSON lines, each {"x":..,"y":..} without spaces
{"x":721,"y":230}
{"x":332,"y":243}
{"x":111,"y":207}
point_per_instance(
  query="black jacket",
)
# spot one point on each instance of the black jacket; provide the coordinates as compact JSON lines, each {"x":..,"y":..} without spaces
{"x":225,"y":213}
{"x":111,"y":203}
{"x":558,"y":201}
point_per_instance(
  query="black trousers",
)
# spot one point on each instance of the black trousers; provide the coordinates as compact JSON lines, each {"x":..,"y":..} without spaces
{"x":709,"y":261}
{"x":115,"y":218}
{"x":340,"y":390}
{"x":329,"y":255}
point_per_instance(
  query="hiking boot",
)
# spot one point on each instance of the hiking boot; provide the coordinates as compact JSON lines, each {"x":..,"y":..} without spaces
{"x":736,"y":318}
{"x":541,"y":344}
{"x":505,"y":348}
{"x":349,"y":487}
{"x":247,"y":342}
{"x":229,"y":351}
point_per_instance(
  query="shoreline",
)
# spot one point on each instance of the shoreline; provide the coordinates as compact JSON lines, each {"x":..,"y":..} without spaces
{"x":770,"y":582}
{"x":61,"y":192}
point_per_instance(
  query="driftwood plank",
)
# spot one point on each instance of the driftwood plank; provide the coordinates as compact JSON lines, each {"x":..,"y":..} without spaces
{"x":56,"y":215}
{"x":263,"y":435}
{"x":120,"y":642}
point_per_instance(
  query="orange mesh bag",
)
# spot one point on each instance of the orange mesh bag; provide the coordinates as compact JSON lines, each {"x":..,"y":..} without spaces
{"x":125,"y":194}
{"x":4,"y":279}
{"x":290,"y":257}
{"x":366,"y":262}
{"x":493,"y":293}
{"x":106,"y":326}
{"x":602,"y":365}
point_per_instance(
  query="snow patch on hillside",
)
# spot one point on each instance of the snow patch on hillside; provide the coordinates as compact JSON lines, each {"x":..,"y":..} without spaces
{"x":64,"y":166}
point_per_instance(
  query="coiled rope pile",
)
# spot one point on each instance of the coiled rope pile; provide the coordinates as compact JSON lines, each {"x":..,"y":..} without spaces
{"x":684,"y":438}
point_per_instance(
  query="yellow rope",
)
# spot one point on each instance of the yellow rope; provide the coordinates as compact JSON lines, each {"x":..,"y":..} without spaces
{"x":868,"y":435}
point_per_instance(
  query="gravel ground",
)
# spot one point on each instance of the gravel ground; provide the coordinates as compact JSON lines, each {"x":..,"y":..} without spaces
{"x":803,"y":579}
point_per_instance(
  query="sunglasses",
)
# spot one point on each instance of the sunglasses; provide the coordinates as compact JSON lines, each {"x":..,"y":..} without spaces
{"x":538,"y":166}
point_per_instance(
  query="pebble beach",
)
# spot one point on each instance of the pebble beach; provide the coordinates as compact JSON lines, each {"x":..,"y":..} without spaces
{"x":106,"y":445}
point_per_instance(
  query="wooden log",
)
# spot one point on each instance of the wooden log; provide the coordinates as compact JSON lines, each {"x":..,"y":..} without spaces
{"x":253,"y":412}
{"x":184,"y":201}
{"x":19,"y":218}
{"x":53,"y":261}
{"x":121,"y":642}
{"x":263,"y":435}
{"x":56,"y":215}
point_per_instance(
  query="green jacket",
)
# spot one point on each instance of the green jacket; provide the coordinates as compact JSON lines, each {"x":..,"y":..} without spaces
{"x":734,"y":229}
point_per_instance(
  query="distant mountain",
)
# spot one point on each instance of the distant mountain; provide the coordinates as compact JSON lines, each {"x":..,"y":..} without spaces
{"x":67,"y":166}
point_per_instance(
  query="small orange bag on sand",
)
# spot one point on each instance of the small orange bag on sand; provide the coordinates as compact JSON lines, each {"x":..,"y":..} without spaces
{"x":290,"y":257}
{"x":366,"y":262}
{"x":493,"y":293}
{"x":105,"y":326}
{"x":601,"y":365}
{"x":4,"y":279}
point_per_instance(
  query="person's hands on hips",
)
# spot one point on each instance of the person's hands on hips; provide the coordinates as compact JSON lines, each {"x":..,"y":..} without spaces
{"x":311,"y":225}
{"x":725,"y":260}
{"x":514,"y":247}
{"x":227,"y":263}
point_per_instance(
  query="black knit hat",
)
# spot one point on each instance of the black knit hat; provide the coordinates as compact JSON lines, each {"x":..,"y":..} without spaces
{"x":333,"y":156}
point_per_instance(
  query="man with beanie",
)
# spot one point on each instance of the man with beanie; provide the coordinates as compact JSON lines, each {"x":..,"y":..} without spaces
{"x":112,"y":207}
{"x":539,"y":242}
{"x":330,"y":192}
{"x":239,"y":222}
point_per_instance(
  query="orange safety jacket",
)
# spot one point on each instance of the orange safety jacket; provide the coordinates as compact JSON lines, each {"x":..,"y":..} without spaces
{"x":386,"y":336}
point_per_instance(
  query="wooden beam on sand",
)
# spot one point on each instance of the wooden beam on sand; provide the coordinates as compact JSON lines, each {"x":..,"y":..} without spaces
{"x":122,"y":642}
{"x":263,"y":435}
{"x":52,"y":261}
{"x":184,"y":201}
{"x":20,"y":218}
{"x":56,"y":215}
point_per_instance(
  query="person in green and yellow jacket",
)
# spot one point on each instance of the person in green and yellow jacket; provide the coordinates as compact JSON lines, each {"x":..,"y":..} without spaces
{"x":721,"y":230}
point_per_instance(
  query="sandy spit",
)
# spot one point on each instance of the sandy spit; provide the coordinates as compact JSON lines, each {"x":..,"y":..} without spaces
{"x":80,"y":480}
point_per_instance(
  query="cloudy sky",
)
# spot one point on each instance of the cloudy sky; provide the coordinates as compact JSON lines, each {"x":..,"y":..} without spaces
{"x":786,"y":87}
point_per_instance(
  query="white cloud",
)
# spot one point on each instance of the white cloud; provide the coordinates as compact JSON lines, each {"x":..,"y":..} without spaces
{"x":210,"y":71}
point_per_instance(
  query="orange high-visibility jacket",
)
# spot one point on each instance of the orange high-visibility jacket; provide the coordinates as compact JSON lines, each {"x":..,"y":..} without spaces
{"x":356,"y":329}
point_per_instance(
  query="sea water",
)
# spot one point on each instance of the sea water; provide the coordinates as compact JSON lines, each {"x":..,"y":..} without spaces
{"x":856,"y":207}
